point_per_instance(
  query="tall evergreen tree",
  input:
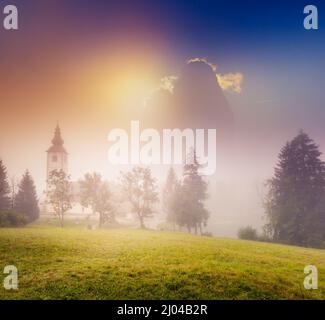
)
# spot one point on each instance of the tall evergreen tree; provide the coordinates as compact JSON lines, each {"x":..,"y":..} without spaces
{"x":179,"y":205}
{"x":14,"y":184}
{"x":168,"y":197}
{"x":4,"y":188}
{"x":190,"y":195}
{"x":26,"y":199}
{"x":295,"y":205}
{"x":195,"y":189}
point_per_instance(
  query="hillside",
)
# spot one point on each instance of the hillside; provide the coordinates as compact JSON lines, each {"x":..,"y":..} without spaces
{"x":75,"y":263}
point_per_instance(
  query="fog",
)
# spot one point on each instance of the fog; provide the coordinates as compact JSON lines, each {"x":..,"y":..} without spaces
{"x":250,"y":133}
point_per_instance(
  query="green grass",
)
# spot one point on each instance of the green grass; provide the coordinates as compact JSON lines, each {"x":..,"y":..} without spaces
{"x":75,"y":263}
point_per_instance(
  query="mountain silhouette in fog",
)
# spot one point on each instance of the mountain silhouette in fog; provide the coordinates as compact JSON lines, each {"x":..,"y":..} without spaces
{"x":197,"y":102}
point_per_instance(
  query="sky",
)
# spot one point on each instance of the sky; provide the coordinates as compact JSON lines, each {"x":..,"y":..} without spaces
{"x":91,"y":65}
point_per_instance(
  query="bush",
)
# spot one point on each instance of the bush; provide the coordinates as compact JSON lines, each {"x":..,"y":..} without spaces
{"x":207,"y":234}
{"x":264,"y":238}
{"x":12,"y":219}
{"x":247,"y":233}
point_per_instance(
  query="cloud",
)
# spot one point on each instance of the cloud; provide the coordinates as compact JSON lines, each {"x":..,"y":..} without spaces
{"x":230,"y":81}
{"x":168,"y":83}
{"x":213,"y":66}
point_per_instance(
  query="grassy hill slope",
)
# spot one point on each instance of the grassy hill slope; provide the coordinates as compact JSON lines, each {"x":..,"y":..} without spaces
{"x":75,"y":263}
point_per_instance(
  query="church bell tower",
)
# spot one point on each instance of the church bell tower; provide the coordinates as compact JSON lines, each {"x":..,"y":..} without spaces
{"x":57,"y":156}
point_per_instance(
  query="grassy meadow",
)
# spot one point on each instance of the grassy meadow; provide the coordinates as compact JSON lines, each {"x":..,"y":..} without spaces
{"x":76,"y":263}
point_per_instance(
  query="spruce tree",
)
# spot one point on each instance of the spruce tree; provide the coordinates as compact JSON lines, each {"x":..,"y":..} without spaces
{"x":4,"y":188}
{"x":295,"y":203}
{"x":26,"y":199}
{"x":194,"y":189}
{"x":168,"y":197}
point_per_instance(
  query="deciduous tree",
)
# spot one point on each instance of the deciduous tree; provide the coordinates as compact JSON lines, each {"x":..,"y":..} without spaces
{"x":59,"y":193}
{"x":141,"y":191}
{"x":95,"y":194}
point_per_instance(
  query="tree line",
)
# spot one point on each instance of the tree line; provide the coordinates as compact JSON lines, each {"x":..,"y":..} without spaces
{"x":18,"y":201}
{"x":182,"y":199}
{"x":294,"y":202}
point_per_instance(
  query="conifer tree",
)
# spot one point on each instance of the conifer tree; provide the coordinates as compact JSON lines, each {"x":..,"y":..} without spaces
{"x":188,"y":201}
{"x":4,"y":188}
{"x":26,"y":198}
{"x":295,"y":204}
{"x":168,"y":197}
{"x":194,"y":188}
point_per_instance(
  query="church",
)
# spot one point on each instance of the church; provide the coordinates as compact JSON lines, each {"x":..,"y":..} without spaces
{"x":57,"y":159}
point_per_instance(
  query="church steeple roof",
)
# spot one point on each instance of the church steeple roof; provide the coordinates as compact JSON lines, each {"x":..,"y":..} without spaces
{"x":57,"y":142}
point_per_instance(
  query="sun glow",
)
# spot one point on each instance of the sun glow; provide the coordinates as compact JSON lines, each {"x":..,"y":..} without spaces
{"x":129,"y":88}
{"x":121,"y":79}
